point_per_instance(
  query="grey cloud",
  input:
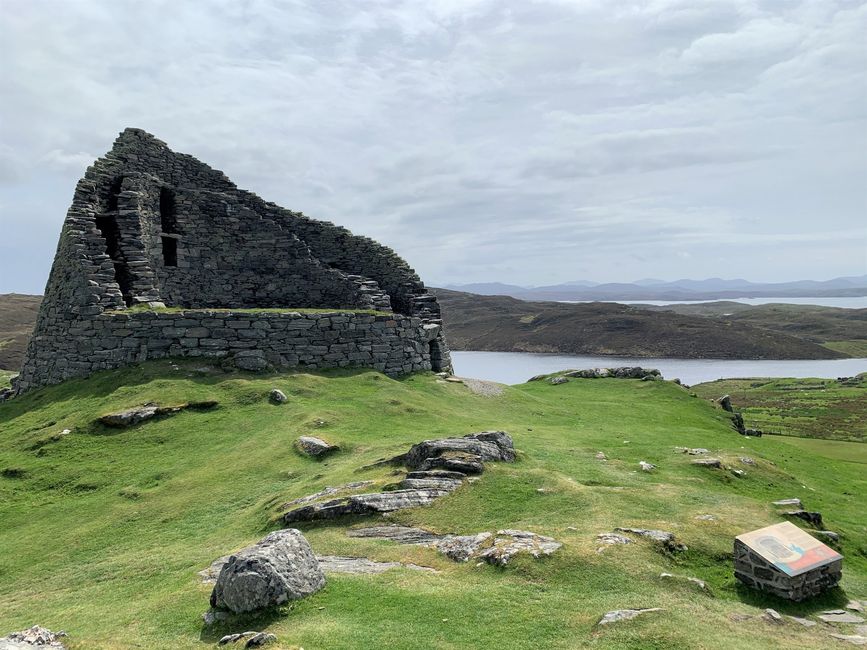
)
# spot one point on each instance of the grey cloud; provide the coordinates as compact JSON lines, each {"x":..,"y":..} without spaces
{"x":527,"y":142}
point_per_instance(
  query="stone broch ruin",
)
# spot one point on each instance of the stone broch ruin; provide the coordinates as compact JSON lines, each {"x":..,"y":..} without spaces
{"x":151,"y":230}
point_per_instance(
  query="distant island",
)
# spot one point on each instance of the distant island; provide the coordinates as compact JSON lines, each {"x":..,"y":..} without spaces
{"x":717,"y":330}
{"x":650,"y":289}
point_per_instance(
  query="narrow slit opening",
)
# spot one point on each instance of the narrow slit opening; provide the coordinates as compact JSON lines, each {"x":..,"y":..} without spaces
{"x":168,"y":216}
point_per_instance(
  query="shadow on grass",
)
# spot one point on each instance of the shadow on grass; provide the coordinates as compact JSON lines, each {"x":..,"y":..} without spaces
{"x":236,"y":623}
{"x":835,"y":598}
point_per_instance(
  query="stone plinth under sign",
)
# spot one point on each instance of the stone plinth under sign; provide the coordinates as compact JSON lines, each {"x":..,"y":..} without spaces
{"x":784,"y":560}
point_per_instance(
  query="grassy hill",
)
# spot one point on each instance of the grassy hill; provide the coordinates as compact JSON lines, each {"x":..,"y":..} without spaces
{"x":104,"y":530}
{"x":843,"y":330}
{"x":502,"y":323}
{"x":17,"y":318}
{"x":827,"y":409}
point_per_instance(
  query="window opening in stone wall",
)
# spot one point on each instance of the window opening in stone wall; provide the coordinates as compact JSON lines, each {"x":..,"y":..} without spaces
{"x":107,"y":227}
{"x":169,"y":226}
{"x":113,"y":192}
{"x":168,"y":217}
{"x":170,"y":251}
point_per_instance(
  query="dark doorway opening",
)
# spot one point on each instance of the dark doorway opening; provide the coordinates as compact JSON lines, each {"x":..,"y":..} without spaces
{"x":170,"y":251}
{"x":107,"y":227}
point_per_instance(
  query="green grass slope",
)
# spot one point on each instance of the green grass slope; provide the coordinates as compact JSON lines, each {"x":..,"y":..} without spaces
{"x":103,"y":530}
{"x":827,"y":409}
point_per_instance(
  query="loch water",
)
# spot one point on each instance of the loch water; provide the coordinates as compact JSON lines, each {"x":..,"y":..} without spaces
{"x":518,"y":367}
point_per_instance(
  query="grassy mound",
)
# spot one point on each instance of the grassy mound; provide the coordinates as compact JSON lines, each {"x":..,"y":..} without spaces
{"x":104,"y":530}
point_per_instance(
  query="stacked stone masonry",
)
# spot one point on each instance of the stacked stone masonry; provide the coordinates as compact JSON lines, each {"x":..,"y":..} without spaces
{"x":754,"y":571}
{"x":148,"y":225}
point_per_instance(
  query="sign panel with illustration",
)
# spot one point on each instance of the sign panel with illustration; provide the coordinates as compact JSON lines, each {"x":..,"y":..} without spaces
{"x":789,"y":548}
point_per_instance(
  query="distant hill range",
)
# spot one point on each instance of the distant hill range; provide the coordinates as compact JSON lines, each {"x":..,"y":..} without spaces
{"x":650,"y":289}
{"x":718,"y":330}
{"x":714,"y":330}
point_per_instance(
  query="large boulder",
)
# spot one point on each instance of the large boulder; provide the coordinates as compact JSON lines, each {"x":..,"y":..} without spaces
{"x":280,"y":568}
{"x":314,"y":447}
{"x":487,"y":445}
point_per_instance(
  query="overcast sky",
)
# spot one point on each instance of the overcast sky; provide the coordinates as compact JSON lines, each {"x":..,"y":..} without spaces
{"x":523,"y":142}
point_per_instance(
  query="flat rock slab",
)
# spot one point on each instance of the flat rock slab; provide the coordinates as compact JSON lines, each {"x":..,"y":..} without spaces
{"x":437,"y":483}
{"x":279,"y":568}
{"x":714,"y":463}
{"x":314,"y":447}
{"x":839,"y":616}
{"x":33,"y":637}
{"x":854,"y":639}
{"x":364,"y":504}
{"x":249,"y":639}
{"x":454,"y":462}
{"x":139,"y":414}
{"x":619,"y":615}
{"x":399,"y":534}
{"x":663,"y":537}
{"x":795,"y":503}
{"x":363,"y":565}
{"x":326,"y":492}
{"x":611,"y":539}
{"x":509,"y":543}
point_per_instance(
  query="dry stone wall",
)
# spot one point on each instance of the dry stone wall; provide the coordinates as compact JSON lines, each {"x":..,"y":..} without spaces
{"x":148,"y":225}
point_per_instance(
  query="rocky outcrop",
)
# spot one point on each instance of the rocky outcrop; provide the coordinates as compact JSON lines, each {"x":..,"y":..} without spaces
{"x":509,"y":543}
{"x":461,"y":548}
{"x":364,"y":504}
{"x":326,"y":492}
{"x":280,"y":568}
{"x":436,"y":466}
{"x":33,"y":637}
{"x":497,"y":549}
{"x":486,"y":446}
{"x":315,"y":447}
{"x":625,"y":372}
{"x":666,"y":539}
{"x":812,"y":518}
